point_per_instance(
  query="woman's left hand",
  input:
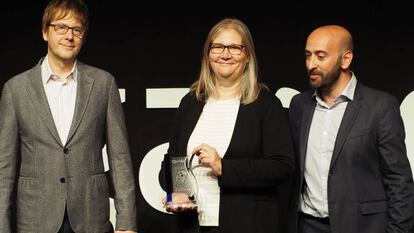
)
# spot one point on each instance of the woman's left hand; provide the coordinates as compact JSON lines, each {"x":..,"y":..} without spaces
{"x":208,"y":156}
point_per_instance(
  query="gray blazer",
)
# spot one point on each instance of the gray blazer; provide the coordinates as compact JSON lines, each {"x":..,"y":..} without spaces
{"x":49,"y":175}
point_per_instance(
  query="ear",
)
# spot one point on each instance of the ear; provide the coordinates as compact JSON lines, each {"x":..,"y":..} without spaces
{"x":346,"y":59}
{"x":45,"y":35}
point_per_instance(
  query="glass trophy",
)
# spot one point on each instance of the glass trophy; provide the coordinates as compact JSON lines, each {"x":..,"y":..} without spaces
{"x":181,"y":186}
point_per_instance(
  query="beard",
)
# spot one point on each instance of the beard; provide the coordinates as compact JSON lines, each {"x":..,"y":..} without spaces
{"x":326,"y":80}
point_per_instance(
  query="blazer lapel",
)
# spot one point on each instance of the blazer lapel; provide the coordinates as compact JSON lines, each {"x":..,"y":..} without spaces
{"x":84,"y":88}
{"x":307,"y":116}
{"x":348,"y":120}
{"x":40,"y":103}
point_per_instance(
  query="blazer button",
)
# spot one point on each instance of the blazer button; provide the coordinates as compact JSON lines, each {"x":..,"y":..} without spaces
{"x":66,"y":151}
{"x":62,"y":180}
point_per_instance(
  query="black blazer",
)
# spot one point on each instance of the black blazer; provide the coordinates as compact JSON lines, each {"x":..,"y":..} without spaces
{"x":370,"y":185}
{"x":259,"y":157}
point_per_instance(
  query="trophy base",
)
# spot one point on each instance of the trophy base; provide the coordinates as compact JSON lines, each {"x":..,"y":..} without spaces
{"x":180,"y":201}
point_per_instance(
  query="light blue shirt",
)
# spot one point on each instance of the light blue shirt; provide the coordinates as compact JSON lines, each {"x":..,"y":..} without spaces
{"x":322,"y":135}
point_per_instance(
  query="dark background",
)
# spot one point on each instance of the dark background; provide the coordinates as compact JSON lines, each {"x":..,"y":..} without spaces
{"x":160,"y":47}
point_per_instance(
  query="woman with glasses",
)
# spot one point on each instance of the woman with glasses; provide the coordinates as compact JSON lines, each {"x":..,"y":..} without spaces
{"x":239,"y":134}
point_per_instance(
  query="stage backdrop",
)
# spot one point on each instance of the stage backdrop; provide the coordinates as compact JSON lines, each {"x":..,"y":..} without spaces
{"x":155,"y":53}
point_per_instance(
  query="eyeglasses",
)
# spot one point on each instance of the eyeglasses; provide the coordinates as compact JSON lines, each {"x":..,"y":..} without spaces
{"x":234,"y":49}
{"x":62,"y":29}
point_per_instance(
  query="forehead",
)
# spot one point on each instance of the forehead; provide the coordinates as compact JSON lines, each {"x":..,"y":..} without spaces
{"x":69,"y":17}
{"x":321,"y":42}
{"x":228,"y":36}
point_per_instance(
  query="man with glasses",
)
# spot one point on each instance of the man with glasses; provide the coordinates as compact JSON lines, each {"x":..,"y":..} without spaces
{"x":54,"y":121}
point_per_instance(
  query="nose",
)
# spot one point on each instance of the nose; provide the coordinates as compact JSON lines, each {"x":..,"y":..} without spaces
{"x":69,"y":34}
{"x":226,"y":53}
{"x":311,"y":62}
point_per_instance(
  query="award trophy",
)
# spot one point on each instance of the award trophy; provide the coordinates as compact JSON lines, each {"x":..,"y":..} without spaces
{"x":181,"y":184}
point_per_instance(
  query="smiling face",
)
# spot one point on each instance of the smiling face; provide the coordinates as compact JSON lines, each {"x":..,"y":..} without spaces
{"x":63,"y":48}
{"x":228,"y":64}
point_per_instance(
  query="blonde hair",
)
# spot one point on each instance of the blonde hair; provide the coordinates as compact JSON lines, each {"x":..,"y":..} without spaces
{"x":205,"y":86}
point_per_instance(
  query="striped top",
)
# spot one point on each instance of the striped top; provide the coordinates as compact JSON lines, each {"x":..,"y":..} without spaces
{"x":215,"y":128}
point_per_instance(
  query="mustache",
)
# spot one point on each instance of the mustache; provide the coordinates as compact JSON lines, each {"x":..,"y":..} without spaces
{"x":314,"y":71}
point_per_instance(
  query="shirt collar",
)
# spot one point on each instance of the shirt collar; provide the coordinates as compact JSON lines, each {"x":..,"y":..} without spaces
{"x":346,"y":94}
{"x":349,"y":91}
{"x":47,"y":73}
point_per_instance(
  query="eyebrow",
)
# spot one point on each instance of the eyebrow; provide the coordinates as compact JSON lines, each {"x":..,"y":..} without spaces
{"x":218,"y":43}
{"x":316,"y":52}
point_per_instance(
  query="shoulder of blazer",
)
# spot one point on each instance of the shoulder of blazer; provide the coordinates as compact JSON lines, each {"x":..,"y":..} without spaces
{"x":265,"y":95}
{"x":189,"y":99}
{"x":302,"y":99}
{"x":93,"y":72}
{"x":266,"y":100}
{"x":25,"y":76}
{"x":369,"y":94}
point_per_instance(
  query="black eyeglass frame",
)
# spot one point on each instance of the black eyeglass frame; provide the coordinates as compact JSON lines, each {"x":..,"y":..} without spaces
{"x":76,"y":31}
{"x":229,"y":47}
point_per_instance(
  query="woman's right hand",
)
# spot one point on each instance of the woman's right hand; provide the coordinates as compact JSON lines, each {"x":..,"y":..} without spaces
{"x":180,"y":203}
